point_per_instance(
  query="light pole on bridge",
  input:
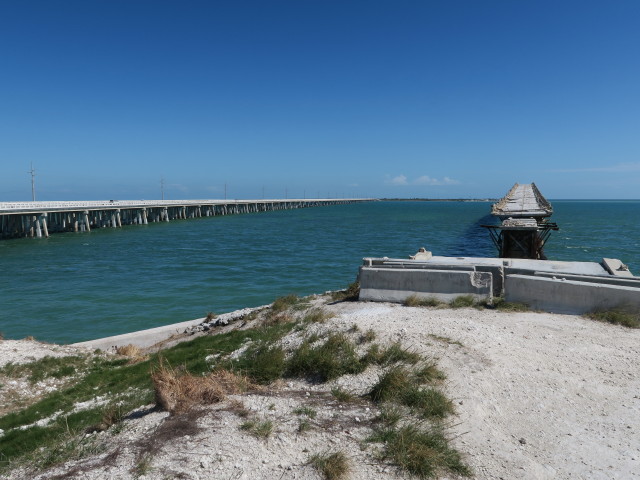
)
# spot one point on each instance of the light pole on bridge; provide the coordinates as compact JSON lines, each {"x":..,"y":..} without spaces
{"x":33,"y":182}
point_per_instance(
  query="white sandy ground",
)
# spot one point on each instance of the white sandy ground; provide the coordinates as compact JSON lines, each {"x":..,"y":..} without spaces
{"x":538,"y":396}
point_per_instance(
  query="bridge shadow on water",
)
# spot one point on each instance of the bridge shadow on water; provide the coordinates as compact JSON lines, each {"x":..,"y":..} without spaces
{"x":475,"y":241}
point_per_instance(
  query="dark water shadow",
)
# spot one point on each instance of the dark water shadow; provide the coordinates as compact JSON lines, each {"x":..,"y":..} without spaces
{"x":476,"y":240}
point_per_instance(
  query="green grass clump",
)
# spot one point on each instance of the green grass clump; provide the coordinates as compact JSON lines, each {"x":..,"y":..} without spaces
{"x":262,"y":364}
{"x":415,"y":301}
{"x":47,"y":367}
{"x":501,"y":304}
{"x":316,"y":315}
{"x":617,"y":317}
{"x":342,"y":395}
{"x":257,"y":428}
{"x":399,"y":385}
{"x":282,"y":304}
{"x":463,"y":301}
{"x":429,"y":373}
{"x":350,"y":294}
{"x":334,"y":358}
{"x":307,"y":411}
{"x":332,"y":466}
{"x":394,"y":353}
{"x":130,"y":384}
{"x":423,"y":452}
{"x":368,"y":336}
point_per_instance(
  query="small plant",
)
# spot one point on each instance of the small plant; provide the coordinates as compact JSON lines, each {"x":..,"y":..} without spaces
{"x":617,"y":317}
{"x":307,"y":411}
{"x":448,"y":340}
{"x":262,"y":364}
{"x":304,"y":426}
{"x":282,"y":304}
{"x":429,"y":373}
{"x":177,"y":391}
{"x":131,"y":351}
{"x":237,"y":407}
{"x":142,"y":467}
{"x":336,"y":357}
{"x":394,"y":353}
{"x":342,"y":395}
{"x":463,"y":301}
{"x":112,"y":415}
{"x":368,"y":336}
{"x":258,"y":429}
{"x":400,"y":386}
{"x":423,"y":452}
{"x":390,"y":415}
{"x":350,"y":294}
{"x":332,"y":466}
{"x":210,"y":316}
{"x":499,"y":303}
{"x":416,"y":301}
{"x":316,"y":315}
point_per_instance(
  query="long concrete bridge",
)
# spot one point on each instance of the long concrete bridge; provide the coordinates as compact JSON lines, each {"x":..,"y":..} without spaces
{"x":40,"y":219}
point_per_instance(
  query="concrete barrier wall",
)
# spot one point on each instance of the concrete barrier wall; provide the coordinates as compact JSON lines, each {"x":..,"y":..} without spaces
{"x":569,"y":296}
{"x":395,"y":285}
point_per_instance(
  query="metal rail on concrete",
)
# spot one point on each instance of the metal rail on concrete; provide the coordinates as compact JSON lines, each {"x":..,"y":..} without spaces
{"x":39,"y":219}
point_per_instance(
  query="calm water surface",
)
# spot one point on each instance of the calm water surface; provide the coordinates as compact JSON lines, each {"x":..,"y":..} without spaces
{"x":73,"y":287}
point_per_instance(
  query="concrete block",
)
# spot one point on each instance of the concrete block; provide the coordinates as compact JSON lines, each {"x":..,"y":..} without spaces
{"x":569,"y":296}
{"x":616,"y":267}
{"x":395,"y":285}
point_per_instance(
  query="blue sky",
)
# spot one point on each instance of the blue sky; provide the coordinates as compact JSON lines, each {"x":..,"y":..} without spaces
{"x":305,"y":98}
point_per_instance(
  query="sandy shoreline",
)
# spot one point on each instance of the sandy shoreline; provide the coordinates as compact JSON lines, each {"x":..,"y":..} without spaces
{"x":538,"y":396}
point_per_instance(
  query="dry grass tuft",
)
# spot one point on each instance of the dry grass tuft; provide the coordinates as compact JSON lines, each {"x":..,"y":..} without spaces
{"x":415,"y":301}
{"x":133,"y":352}
{"x":130,"y":350}
{"x":178,"y":391}
{"x":332,"y":466}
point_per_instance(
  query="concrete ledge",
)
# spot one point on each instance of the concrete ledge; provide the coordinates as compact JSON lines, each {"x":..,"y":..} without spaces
{"x":569,"y":296}
{"x":608,"y":280}
{"x":395,"y":285}
{"x":141,"y":338}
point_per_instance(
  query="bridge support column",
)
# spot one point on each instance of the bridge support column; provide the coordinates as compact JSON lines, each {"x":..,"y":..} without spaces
{"x":85,"y":220}
{"x":43,"y":221}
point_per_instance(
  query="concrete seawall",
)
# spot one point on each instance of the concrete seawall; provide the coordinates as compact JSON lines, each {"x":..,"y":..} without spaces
{"x":552,"y":286}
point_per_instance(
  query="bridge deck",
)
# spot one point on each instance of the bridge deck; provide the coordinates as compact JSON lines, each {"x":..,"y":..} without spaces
{"x":523,"y":200}
{"x":28,"y":207}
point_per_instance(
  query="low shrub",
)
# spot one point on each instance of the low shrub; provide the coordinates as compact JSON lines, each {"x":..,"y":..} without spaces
{"x":334,"y":358}
{"x":423,"y":452}
{"x":617,"y":317}
{"x":463,"y":301}
{"x":399,"y":385}
{"x":259,"y":429}
{"x":178,"y":391}
{"x":350,"y":294}
{"x":415,"y":301}
{"x":332,"y":466}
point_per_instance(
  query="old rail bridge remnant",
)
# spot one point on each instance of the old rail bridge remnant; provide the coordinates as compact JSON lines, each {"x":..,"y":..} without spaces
{"x":40,"y":219}
{"x":525,"y":226}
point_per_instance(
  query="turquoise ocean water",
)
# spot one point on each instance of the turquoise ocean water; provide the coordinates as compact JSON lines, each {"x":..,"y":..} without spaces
{"x":73,"y":287}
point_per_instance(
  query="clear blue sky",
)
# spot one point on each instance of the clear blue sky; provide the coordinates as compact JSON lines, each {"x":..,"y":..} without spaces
{"x":397,"y":99}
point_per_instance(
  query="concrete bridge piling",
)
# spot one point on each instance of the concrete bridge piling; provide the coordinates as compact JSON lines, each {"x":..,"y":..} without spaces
{"x":40,"y":219}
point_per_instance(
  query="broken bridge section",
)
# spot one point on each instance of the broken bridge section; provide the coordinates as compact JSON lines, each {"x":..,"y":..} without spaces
{"x":525,"y":226}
